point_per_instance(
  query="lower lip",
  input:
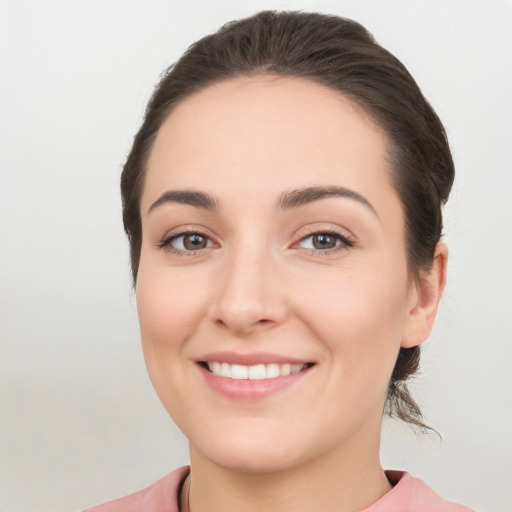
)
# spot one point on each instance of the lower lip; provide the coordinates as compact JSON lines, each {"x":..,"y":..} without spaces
{"x":248,"y":389}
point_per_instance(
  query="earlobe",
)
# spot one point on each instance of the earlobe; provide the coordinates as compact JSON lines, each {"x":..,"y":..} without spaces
{"x":428,"y":291}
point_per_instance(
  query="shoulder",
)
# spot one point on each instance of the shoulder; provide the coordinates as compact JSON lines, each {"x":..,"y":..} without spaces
{"x":408,"y":491}
{"x":162,"y":495}
{"x":414,"y":494}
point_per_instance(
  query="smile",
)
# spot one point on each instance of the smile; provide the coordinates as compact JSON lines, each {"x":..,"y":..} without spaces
{"x":254,"y":372}
{"x":251,"y":377}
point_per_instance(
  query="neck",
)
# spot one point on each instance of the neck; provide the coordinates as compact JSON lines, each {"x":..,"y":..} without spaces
{"x":342,"y":480}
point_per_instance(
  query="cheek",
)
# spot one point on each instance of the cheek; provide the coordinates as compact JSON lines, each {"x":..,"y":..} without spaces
{"x":169,"y":309}
{"x":360,"y":317}
{"x":168,"y":306}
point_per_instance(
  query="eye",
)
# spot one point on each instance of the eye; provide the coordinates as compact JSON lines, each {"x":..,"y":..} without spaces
{"x":325,"y":241}
{"x":186,"y":242}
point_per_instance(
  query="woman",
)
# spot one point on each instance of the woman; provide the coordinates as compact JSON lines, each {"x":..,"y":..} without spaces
{"x":283,"y":205}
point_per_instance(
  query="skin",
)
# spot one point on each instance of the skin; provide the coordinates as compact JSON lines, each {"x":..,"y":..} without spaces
{"x":260,"y":285}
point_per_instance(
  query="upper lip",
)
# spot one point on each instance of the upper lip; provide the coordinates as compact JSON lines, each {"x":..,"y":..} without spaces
{"x":250,"y":359}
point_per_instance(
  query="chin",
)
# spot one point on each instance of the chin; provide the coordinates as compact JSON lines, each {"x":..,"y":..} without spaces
{"x":253,"y":459}
{"x":243,"y":451}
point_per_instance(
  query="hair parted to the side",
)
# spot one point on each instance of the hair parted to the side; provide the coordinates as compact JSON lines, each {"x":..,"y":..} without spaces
{"x":342,"y":55}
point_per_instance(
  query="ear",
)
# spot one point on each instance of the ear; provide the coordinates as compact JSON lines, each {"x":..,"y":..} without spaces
{"x":425,"y":296}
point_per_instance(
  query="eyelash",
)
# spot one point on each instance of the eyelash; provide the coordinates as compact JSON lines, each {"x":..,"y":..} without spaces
{"x":166,"y":243}
{"x":345,"y":242}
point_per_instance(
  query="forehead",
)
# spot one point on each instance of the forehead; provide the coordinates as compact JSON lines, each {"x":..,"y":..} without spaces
{"x":265,"y":133}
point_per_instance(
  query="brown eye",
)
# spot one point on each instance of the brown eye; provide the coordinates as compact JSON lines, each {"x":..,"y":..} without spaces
{"x":187,"y":242}
{"x":194,"y":241}
{"x":324,"y":241}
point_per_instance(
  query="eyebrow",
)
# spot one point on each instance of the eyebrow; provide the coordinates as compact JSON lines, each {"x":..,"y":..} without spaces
{"x":286,"y":201}
{"x":190,"y":197}
{"x":303,"y":196}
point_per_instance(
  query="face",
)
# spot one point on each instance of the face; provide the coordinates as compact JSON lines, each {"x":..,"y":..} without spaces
{"x":273,"y":291}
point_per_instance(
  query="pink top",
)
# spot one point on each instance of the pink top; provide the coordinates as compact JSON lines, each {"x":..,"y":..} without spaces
{"x":409,"y":494}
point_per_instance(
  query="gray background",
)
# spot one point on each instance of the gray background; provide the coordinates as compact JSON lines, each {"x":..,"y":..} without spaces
{"x":80,"y":423}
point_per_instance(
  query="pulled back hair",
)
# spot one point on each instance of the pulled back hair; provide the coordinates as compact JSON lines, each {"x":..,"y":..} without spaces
{"x":343,"y":56}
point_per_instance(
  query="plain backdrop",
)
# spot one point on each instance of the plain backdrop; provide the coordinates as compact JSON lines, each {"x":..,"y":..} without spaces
{"x":80,"y":423}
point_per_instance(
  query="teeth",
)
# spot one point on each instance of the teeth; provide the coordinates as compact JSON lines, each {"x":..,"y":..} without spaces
{"x":256,"y":372}
{"x":239,"y":372}
{"x":295,"y":368}
{"x":225,"y":370}
{"x":273,"y":371}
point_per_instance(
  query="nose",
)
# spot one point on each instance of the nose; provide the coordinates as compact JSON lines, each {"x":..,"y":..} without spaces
{"x":248,"y":296}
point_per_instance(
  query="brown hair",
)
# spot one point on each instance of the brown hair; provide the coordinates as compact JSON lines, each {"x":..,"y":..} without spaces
{"x":342,"y":55}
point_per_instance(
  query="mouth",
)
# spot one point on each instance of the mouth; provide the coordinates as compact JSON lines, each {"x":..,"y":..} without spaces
{"x":249,"y":377}
{"x":254,"y":372}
